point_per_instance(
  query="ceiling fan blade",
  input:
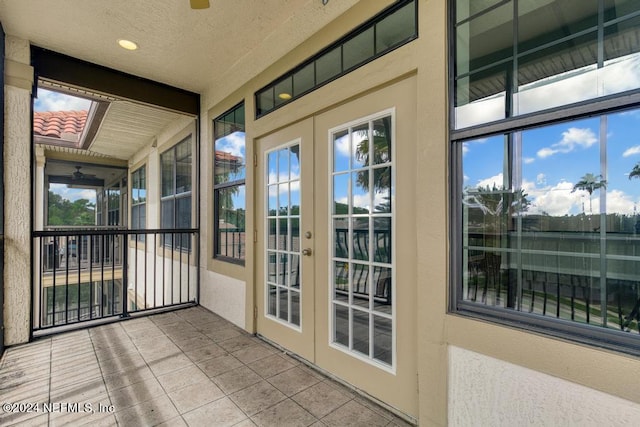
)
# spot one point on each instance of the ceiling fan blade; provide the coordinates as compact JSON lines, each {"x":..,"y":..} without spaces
{"x":199,"y":4}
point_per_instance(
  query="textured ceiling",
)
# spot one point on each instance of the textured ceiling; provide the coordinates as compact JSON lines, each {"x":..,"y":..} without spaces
{"x":186,"y":48}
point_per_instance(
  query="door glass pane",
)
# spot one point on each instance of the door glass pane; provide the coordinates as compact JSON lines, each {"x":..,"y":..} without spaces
{"x":361,"y":331}
{"x":341,"y":151}
{"x":360,"y":278}
{"x":341,"y":194}
{"x":295,"y":308}
{"x":340,"y":238}
{"x":361,"y":232}
{"x":271,"y":300}
{"x":361,"y":238}
{"x":283,"y":304}
{"x":341,"y":324}
{"x":283,"y":228}
{"x":341,"y":281}
{"x":382,"y":339}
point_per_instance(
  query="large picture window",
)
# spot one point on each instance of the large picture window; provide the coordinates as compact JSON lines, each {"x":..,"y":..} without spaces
{"x":546,"y":224}
{"x":175,"y":202}
{"x":229,"y":185}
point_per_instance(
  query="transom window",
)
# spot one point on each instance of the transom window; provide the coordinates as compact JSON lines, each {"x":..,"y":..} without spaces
{"x":545,"y":228}
{"x":390,"y":29}
{"x":362,"y":263}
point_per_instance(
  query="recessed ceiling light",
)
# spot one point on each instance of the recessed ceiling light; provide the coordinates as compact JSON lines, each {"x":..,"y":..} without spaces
{"x":285,"y":96}
{"x":127,"y":44}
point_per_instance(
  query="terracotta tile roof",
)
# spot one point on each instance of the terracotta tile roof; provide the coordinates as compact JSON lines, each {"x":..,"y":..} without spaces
{"x":55,"y":124}
{"x":222,"y":156}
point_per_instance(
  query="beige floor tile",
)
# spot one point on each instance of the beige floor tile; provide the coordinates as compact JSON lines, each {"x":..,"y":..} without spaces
{"x":223,"y":334}
{"x":195,"y":395}
{"x":24,"y":419}
{"x":258,"y":397}
{"x":126,"y":362}
{"x":271,"y":365}
{"x":285,"y":414}
{"x":237,"y":379}
{"x":151,"y":412}
{"x":254,"y":352}
{"x":321,"y":399}
{"x":219,"y":413}
{"x":170,"y":364}
{"x":127,"y":378}
{"x":238,"y":343}
{"x":134,"y":394}
{"x":181,"y":378}
{"x":204,"y":352}
{"x":354,"y":414}
{"x":174,"y":422}
{"x":219,"y":365}
{"x":293,"y":381}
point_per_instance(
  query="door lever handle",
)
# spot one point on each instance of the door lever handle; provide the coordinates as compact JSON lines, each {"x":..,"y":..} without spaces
{"x":306,"y":252}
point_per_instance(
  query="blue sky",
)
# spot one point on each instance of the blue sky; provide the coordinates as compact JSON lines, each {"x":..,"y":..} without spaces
{"x":555,"y":157}
{"x":53,"y":101}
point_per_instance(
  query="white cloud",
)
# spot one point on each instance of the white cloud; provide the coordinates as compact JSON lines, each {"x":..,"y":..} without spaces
{"x":541,"y":179}
{"x":55,"y":101}
{"x":73,"y":194}
{"x":572,"y":139}
{"x":494,"y":181}
{"x":233,"y":144}
{"x":557,"y":200}
{"x":528,"y":160}
{"x":632,"y":151}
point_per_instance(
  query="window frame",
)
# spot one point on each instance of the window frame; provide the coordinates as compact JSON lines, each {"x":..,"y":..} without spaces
{"x":136,"y":204}
{"x":218,"y":187}
{"x":174,"y":196}
{"x":596,"y":336}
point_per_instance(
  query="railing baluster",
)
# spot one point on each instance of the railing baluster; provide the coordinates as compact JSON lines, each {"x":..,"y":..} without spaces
{"x":79,"y":262}
{"x":180,"y":270}
{"x":109,"y":251}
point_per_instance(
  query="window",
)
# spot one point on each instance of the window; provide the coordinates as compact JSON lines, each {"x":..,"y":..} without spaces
{"x":362,"y":267}
{"x":546,"y":227}
{"x":229,"y":185}
{"x":139,"y":200}
{"x":380,"y":35}
{"x":175,"y":210}
{"x":113,"y":205}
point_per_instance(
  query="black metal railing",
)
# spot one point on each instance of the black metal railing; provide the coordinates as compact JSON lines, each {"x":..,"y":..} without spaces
{"x":90,"y":274}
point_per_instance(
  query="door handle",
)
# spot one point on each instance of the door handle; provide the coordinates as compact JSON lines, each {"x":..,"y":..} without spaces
{"x":306,"y":252}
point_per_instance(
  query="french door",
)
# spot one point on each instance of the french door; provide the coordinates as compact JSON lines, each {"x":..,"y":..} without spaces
{"x":335,"y":195}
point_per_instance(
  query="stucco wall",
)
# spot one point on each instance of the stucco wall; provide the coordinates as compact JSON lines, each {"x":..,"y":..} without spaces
{"x":484,"y":391}
{"x":223,"y":295}
{"x":17,"y":154}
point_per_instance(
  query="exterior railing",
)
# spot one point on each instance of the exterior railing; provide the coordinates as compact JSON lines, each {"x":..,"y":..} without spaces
{"x":90,"y":274}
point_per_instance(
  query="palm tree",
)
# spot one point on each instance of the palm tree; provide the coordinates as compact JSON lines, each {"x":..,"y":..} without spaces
{"x":590,"y":183}
{"x":635,"y":172}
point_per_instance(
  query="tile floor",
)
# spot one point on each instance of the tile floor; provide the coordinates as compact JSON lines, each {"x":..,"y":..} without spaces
{"x":187,"y":367}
